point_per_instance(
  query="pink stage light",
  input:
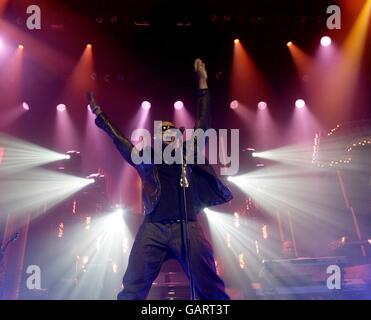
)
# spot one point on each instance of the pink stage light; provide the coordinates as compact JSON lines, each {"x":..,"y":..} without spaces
{"x":178,"y":105}
{"x":234,"y":104}
{"x":181,"y":116}
{"x":25,"y":106}
{"x":146,"y":105}
{"x":1,"y":44}
{"x":61,"y":107}
{"x":300,"y":104}
{"x":262,"y":105}
{"x":2,"y":152}
{"x":325,"y":41}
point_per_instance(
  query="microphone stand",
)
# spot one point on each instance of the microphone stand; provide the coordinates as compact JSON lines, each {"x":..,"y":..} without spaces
{"x":184,"y":183}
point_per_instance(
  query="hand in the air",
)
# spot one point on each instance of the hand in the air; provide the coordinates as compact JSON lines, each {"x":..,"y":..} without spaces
{"x":92,"y":103}
{"x":200,"y":69}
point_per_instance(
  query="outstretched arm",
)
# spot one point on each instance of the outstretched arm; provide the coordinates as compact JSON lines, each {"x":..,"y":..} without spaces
{"x":123,"y":144}
{"x":203,"y":105}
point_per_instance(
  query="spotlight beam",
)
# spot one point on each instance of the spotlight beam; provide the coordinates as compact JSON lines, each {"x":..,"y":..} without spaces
{"x":296,"y":155}
{"x":306,"y":193}
{"x":31,"y":190}
{"x":20,"y":155}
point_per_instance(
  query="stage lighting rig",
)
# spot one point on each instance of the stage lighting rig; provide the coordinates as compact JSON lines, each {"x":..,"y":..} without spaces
{"x":346,"y":144}
{"x":72,"y":164}
{"x":94,"y":198}
{"x":249,"y":160}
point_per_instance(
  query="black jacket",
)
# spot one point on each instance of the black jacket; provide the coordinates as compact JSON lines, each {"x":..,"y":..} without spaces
{"x":208,"y":189}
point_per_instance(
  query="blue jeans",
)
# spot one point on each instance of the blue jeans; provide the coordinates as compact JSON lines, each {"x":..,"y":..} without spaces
{"x":154,"y":244}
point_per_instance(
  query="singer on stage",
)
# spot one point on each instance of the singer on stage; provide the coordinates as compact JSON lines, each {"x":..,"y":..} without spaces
{"x":160,"y":236}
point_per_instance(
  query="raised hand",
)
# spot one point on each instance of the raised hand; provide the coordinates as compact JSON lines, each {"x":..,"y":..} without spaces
{"x":92,"y":103}
{"x":200,"y":69}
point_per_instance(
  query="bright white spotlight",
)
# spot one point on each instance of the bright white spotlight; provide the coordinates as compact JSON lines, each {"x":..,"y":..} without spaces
{"x":146,"y":105}
{"x":300,"y":104}
{"x":262,"y":105}
{"x":61,"y":107}
{"x":119,"y":211}
{"x":230,"y":178}
{"x":255,"y":154}
{"x":234,"y":104}
{"x":207,"y":210}
{"x":25,"y":106}
{"x":90,"y":180}
{"x":22,"y":155}
{"x":178,"y":105}
{"x":325,"y":41}
{"x":66,"y":157}
{"x":114,"y":268}
{"x":38,"y":187}
{"x":115,"y":221}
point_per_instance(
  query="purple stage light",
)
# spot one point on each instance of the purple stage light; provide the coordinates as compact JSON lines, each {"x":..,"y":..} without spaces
{"x":325,"y":41}
{"x":25,"y":106}
{"x":61,"y":107}
{"x":262,"y":105}
{"x":178,"y":105}
{"x":234,"y":104}
{"x":300,"y":104}
{"x":146,"y":105}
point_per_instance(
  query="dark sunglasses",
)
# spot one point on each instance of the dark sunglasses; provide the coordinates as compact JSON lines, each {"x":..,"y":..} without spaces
{"x":164,"y":128}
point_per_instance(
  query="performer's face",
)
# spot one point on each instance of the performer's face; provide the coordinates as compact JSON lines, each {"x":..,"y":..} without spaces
{"x":168,"y":132}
